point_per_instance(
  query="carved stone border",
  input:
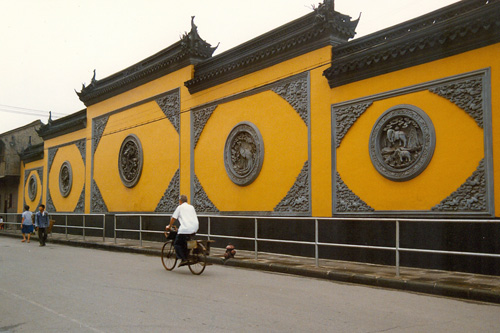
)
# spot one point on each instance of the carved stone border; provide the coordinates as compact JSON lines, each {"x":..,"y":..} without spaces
{"x":168,"y":203}
{"x":346,"y":117}
{"x":97,"y":204}
{"x":296,"y":91}
{"x":470,"y":196}
{"x":171,"y":107}
{"x":201,"y":201}
{"x":39,"y":170}
{"x":346,"y":201}
{"x":462,"y":90}
{"x":32,"y":195}
{"x":82,"y":148}
{"x":298,"y":198}
{"x":99,"y":125}
{"x":80,"y":205}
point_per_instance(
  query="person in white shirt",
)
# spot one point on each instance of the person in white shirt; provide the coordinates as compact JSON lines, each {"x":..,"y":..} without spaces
{"x":186,"y":215}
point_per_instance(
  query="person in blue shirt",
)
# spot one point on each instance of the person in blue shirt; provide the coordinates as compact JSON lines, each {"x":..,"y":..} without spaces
{"x":27,"y":224}
{"x":42,"y":223}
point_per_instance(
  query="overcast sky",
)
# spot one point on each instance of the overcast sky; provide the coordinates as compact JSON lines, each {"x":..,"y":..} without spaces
{"x":50,"y":47}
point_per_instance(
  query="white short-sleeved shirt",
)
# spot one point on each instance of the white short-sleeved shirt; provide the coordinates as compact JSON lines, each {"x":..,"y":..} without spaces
{"x":186,"y":215}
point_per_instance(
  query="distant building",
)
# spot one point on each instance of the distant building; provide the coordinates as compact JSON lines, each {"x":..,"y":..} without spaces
{"x":12,"y":145}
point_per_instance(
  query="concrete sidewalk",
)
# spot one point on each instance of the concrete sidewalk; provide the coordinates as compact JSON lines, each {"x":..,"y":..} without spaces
{"x":466,"y":286}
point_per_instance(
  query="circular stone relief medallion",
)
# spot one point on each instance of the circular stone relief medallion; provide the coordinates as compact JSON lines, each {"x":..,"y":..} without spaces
{"x":130,"y":161}
{"x":32,"y":187}
{"x":244,"y":153}
{"x":65,"y":179}
{"x":402,"y":142}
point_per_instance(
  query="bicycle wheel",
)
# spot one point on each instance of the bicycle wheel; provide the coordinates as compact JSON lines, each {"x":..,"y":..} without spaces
{"x":168,"y":257}
{"x":199,"y":261}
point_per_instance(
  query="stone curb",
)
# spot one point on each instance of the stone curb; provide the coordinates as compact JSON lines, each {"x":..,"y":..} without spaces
{"x":432,"y":288}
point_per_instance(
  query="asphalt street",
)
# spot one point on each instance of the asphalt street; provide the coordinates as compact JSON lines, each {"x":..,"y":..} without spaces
{"x":60,"y":288}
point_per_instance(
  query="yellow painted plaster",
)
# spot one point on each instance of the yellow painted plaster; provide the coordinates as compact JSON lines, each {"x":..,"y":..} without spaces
{"x":285,"y":144}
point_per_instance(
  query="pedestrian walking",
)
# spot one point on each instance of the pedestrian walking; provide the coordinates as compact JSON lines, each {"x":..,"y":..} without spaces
{"x":42,"y":223}
{"x":27,"y":223}
{"x":1,"y":223}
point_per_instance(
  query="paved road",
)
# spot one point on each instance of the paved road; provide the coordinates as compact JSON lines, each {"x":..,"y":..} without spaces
{"x":66,"y":289}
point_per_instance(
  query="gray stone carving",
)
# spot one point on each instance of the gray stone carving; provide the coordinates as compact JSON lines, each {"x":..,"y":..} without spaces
{"x":97,"y":204}
{"x":345,"y":117}
{"x":32,"y":188}
{"x":171,"y":107}
{"x":402,"y":142}
{"x":467,"y":95}
{"x":471,"y":196}
{"x":200,"y":118}
{"x":170,"y":198}
{"x":80,"y":205}
{"x":50,"y":204}
{"x":130,"y":160}
{"x":346,"y":201}
{"x":296,"y":94}
{"x":81,"y":145}
{"x":98,"y":129}
{"x":297,"y":200}
{"x":51,"y":156}
{"x":65,"y":179}
{"x":40,"y":176}
{"x":201,"y":202}
{"x":244,"y":153}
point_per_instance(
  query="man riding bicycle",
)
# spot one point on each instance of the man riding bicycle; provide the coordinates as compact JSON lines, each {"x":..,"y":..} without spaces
{"x":186,"y":215}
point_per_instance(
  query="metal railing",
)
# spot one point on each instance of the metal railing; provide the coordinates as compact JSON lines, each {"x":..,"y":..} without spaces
{"x":15,"y":219}
{"x":397,"y":249}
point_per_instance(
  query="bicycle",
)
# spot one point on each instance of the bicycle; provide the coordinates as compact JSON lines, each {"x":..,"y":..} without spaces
{"x":198,"y":250}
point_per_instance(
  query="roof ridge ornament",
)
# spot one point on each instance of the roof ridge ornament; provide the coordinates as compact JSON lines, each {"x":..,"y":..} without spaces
{"x":328,"y":18}
{"x":194,"y":44}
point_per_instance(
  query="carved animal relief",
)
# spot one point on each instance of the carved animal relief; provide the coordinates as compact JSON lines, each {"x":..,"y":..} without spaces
{"x":32,"y":188}
{"x":65,"y":179}
{"x":130,"y":161}
{"x":402,"y":143}
{"x":244,"y":153}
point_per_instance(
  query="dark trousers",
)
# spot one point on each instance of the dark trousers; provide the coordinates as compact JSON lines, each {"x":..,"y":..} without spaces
{"x":42,"y":235}
{"x":180,"y":246}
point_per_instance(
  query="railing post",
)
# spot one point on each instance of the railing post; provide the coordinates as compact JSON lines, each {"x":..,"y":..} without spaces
{"x":397,"y":248}
{"x":103,"y":228}
{"x":209,"y":228}
{"x":316,"y":237}
{"x":255,"y":241}
{"x":140,"y":230}
{"x":114,"y":227}
{"x":83,"y":227}
{"x":66,"y":226}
